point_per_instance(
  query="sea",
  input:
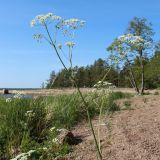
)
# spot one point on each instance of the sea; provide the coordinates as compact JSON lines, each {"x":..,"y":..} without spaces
{"x":20,"y":88}
{"x":17,"y":89}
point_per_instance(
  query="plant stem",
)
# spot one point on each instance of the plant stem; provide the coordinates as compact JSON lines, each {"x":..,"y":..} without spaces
{"x":80,"y":93}
{"x":90,"y":123}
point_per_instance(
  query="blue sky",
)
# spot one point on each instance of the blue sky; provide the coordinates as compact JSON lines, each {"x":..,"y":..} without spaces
{"x":26,"y":63}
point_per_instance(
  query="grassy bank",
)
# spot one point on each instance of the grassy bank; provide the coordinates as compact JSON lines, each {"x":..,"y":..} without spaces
{"x":30,"y":125}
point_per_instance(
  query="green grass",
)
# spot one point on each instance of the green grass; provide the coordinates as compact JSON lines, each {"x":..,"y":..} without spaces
{"x":25,"y":123}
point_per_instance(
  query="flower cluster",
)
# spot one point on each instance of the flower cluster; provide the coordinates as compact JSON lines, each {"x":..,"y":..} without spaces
{"x":55,"y":141}
{"x":74,"y":23}
{"x":24,"y":156}
{"x":59,"y":46}
{"x":136,"y":42}
{"x":104,"y":84}
{"x":45,"y":19}
{"x":8,"y":100}
{"x":52,"y":129}
{"x":38,"y":37}
{"x":67,"y":26}
{"x":30,"y":114}
{"x":18,"y":95}
{"x":70,"y":44}
{"x":128,"y":43}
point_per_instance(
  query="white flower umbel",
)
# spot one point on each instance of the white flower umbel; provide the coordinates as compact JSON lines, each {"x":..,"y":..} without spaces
{"x":59,"y":46}
{"x":58,"y":18}
{"x":44,"y":148}
{"x":70,"y":44}
{"x":24,"y":156}
{"x":74,"y":23}
{"x":38,"y":37}
{"x":103,"y":84}
{"x":33,"y":23}
{"x":18,"y":95}
{"x":8,"y":100}
{"x":30,"y":114}
{"x":127,"y":46}
{"x":55,"y":141}
{"x":52,"y":129}
{"x":130,"y":42}
{"x":45,"y":19}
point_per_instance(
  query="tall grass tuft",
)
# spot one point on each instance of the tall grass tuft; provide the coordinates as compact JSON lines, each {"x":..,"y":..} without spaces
{"x":25,"y":124}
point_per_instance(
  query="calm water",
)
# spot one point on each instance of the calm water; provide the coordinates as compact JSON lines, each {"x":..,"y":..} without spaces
{"x":12,"y":95}
{"x":17,"y":89}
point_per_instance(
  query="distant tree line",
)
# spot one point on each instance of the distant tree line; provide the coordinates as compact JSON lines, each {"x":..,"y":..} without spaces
{"x":91,"y":74}
{"x":85,"y":76}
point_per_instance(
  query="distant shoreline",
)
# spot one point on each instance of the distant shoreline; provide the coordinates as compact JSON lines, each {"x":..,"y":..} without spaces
{"x":63,"y":91}
{"x":20,"y":88}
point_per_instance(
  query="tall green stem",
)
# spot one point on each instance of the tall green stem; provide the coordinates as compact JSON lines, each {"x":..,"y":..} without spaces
{"x":80,"y":93}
